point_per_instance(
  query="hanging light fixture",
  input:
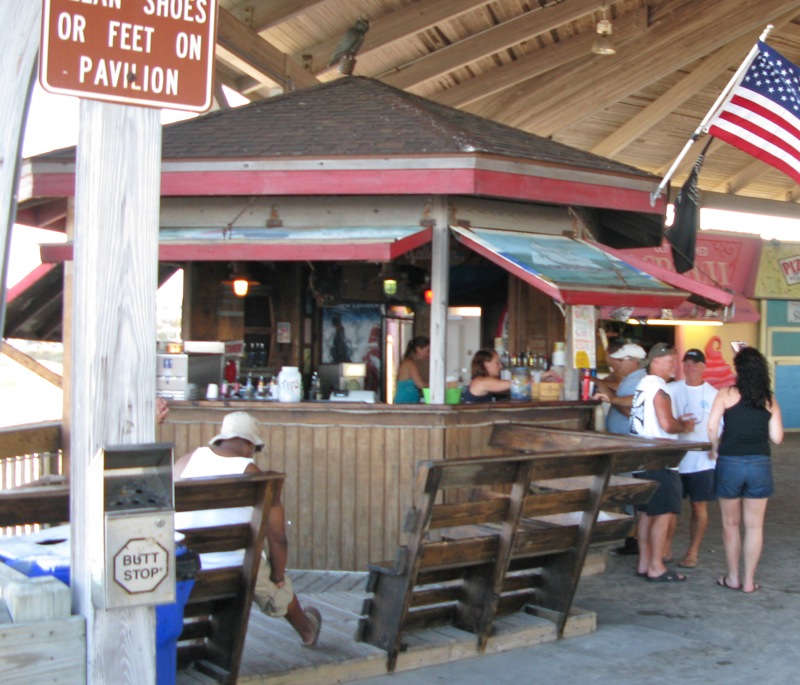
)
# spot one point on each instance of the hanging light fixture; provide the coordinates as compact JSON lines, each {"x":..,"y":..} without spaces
{"x":389,"y":276}
{"x":240,"y":279}
{"x":602,"y":44}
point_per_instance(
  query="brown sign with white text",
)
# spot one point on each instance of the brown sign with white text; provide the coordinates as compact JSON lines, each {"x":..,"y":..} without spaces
{"x":153,"y":53}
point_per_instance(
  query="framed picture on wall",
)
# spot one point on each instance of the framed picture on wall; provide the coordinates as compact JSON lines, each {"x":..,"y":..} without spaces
{"x":284,"y":332}
{"x":352,"y":333}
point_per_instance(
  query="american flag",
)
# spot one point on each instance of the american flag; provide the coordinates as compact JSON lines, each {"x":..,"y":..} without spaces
{"x":762,"y":116}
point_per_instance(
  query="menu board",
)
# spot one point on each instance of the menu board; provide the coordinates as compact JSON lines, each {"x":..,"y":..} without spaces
{"x":584,"y":347}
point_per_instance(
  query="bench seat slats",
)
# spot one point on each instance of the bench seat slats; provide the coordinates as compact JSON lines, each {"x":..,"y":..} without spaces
{"x":216,"y":615}
{"x":217,"y":538}
{"x":493,"y":535}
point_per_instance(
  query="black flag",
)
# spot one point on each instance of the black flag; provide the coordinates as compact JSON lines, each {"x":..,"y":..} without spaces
{"x":683,"y":233}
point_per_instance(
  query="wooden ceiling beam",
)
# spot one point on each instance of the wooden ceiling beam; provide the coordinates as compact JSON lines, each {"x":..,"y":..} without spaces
{"x":748,"y":205}
{"x":687,"y":35}
{"x":688,"y":162}
{"x":687,"y":87}
{"x":744,"y":178}
{"x":480,"y":45}
{"x":396,"y":26}
{"x":791,"y":194}
{"x":267,"y":14}
{"x":241,"y":47}
{"x":244,"y":85}
{"x":547,"y":59}
{"x":731,"y":54}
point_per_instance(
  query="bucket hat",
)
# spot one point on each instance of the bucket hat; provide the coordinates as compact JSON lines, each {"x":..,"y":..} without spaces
{"x":239,"y":424}
{"x":629,"y":350}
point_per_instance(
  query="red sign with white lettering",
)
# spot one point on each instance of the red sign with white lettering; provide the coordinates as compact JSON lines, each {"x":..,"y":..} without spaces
{"x":153,"y":53}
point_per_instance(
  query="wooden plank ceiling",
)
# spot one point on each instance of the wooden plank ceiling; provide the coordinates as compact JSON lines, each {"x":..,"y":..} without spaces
{"x":529,"y":64}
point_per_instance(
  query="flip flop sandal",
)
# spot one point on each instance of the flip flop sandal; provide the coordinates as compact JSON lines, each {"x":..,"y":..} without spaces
{"x":723,"y":582}
{"x":688,"y":562}
{"x":641,"y":574}
{"x":669,"y":576}
{"x":756,"y":588}
{"x":313,"y":615}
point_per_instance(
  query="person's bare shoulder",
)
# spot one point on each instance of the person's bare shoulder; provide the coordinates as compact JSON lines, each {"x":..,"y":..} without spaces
{"x":180,"y":464}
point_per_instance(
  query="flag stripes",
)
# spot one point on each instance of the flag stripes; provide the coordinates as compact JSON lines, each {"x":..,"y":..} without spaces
{"x":762,"y":117}
{"x":759,"y":132}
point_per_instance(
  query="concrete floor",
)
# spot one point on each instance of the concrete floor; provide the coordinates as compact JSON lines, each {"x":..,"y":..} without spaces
{"x":685,"y":633}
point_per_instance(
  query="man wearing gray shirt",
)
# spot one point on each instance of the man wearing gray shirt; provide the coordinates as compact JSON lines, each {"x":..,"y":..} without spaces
{"x":629,"y":359}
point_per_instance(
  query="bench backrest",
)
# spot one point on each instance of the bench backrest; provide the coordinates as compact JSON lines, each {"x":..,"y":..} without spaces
{"x":518,"y":541}
{"x":217,"y":611}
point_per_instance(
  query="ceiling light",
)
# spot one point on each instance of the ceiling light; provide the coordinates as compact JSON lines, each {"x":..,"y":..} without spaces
{"x":682,"y":322}
{"x":602,"y":44}
{"x":240,"y":279}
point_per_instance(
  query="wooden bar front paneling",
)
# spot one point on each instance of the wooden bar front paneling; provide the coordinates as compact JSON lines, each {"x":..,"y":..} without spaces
{"x":350,"y":467}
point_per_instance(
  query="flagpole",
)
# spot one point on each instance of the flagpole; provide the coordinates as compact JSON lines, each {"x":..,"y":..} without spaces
{"x":721,"y":100}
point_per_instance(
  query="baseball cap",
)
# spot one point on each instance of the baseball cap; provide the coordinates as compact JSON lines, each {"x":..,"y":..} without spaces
{"x":239,"y":424}
{"x":629,"y":350}
{"x":694,"y":355}
{"x":659,"y":350}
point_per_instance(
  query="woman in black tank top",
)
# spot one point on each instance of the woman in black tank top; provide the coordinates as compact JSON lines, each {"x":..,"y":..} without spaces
{"x":743,"y":474}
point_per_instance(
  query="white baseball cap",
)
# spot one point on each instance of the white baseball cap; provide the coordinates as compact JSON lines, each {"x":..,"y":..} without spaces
{"x":239,"y":424}
{"x":629,"y":350}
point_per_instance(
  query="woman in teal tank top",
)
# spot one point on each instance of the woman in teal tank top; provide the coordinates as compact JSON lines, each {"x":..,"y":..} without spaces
{"x":409,"y":382}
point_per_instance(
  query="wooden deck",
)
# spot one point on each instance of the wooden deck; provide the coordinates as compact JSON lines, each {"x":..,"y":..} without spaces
{"x":273,"y":654}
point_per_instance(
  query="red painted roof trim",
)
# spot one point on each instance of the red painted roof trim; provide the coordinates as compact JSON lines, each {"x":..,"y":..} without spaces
{"x":459,"y":181}
{"x":33,"y":277}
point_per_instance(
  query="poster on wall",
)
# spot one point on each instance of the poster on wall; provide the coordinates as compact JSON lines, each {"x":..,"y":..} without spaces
{"x":352,"y":333}
{"x":584,"y":347}
{"x":779,"y":272}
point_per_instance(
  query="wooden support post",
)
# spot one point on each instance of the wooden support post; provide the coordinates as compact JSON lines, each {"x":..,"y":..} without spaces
{"x":113,"y":356}
{"x":440,"y":269}
{"x":19,"y":43}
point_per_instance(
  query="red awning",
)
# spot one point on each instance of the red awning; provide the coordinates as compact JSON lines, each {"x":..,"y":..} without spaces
{"x":339,"y":244}
{"x":571,"y":271}
{"x":703,"y":293}
{"x":740,"y":311}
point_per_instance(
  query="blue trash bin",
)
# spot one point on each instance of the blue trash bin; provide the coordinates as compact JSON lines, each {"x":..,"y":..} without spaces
{"x":47,"y":553}
{"x":169,"y":617}
{"x":44,"y":553}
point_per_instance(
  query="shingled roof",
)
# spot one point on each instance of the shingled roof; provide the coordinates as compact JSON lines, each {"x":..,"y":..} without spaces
{"x":357,"y":117}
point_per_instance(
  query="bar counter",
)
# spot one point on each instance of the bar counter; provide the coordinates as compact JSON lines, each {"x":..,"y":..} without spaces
{"x":350,"y":466}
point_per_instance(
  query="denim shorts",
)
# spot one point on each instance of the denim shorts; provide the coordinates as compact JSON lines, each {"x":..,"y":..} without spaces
{"x":747,"y":476}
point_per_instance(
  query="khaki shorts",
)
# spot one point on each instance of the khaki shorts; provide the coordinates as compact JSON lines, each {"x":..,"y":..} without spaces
{"x":271,"y":599}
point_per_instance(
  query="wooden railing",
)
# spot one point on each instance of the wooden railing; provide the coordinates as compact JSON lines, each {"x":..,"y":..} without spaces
{"x":29,"y":453}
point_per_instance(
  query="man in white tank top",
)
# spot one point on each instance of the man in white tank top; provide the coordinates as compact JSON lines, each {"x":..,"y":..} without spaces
{"x":652,"y":417}
{"x":232,"y":452}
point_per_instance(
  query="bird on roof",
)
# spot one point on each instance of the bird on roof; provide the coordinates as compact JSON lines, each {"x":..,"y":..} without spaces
{"x":348,"y":46}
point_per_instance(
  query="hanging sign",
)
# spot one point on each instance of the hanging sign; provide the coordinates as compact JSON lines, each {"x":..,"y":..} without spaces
{"x":152,"y":53}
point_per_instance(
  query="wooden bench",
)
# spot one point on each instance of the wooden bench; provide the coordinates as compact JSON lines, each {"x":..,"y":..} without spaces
{"x":217,"y":612}
{"x":518,"y":542}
